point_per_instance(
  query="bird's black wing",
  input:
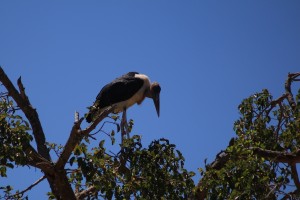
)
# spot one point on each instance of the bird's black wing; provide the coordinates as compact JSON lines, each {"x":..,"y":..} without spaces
{"x":119,"y":90}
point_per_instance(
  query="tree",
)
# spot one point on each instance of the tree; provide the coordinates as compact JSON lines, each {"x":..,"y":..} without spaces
{"x":261,"y":161}
{"x":83,"y":171}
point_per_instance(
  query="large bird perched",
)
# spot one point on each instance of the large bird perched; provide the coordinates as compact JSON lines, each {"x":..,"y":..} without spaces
{"x":124,"y":92}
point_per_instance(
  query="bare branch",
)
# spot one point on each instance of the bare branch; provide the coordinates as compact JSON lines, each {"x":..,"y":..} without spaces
{"x":275,"y":102}
{"x":28,"y":188}
{"x":22,"y":90}
{"x":86,"y":192}
{"x":31,"y":114}
{"x":76,"y":116}
{"x":291,"y":77}
{"x":74,"y":139}
{"x":98,"y":120}
{"x":77,"y":135}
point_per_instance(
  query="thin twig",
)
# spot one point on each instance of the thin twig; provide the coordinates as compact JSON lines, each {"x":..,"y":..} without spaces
{"x":28,"y":188}
{"x":100,"y":129}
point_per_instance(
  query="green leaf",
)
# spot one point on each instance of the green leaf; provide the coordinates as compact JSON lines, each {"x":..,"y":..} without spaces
{"x":101,"y":143}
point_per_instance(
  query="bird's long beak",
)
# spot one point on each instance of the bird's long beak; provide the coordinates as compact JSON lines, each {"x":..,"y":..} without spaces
{"x":156,"y":102}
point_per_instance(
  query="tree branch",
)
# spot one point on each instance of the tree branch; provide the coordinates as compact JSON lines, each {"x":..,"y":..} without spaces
{"x":36,"y":160}
{"x":104,"y":114}
{"x":275,"y":102}
{"x":291,"y":77}
{"x":278,"y":156}
{"x":77,"y":135}
{"x":295,"y":176}
{"x":85,"y":193}
{"x":74,"y":139}
{"x":28,"y":188}
{"x":23,"y":102}
{"x":22,"y":91}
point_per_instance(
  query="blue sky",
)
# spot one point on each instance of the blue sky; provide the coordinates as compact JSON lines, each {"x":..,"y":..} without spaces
{"x":207,"y":56}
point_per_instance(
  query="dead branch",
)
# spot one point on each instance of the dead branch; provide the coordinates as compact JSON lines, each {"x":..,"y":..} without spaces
{"x":276,"y":102}
{"x":30,"y":113}
{"x":291,"y":77}
{"x":76,"y":116}
{"x":77,"y":135}
{"x":21,"y":193}
{"x":22,"y":91}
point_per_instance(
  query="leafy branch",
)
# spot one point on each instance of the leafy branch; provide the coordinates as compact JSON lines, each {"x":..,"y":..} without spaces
{"x":265,"y":151}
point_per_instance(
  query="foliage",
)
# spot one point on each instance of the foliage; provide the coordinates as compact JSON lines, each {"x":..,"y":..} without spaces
{"x":153,"y":173}
{"x":14,"y":137}
{"x":266,"y":127}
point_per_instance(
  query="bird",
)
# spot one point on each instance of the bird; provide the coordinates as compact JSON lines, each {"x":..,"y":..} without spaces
{"x":122,"y":93}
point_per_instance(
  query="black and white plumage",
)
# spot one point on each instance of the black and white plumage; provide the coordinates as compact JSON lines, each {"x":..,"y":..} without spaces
{"x":124,"y":92}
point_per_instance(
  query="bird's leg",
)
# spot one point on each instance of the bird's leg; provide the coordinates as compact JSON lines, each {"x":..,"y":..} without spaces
{"x":124,"y":125}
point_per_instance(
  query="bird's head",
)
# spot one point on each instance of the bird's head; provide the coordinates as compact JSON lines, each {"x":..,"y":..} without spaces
{"x":155,"y":91}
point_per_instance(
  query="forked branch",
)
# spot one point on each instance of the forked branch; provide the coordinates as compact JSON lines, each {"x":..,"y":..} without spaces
{"x":77,"y":135}
{"x":23,"y":102}
{"x":291,"y":77}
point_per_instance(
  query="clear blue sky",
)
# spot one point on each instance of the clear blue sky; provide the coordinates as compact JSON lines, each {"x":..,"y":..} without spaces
{"x":207,"y":56}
